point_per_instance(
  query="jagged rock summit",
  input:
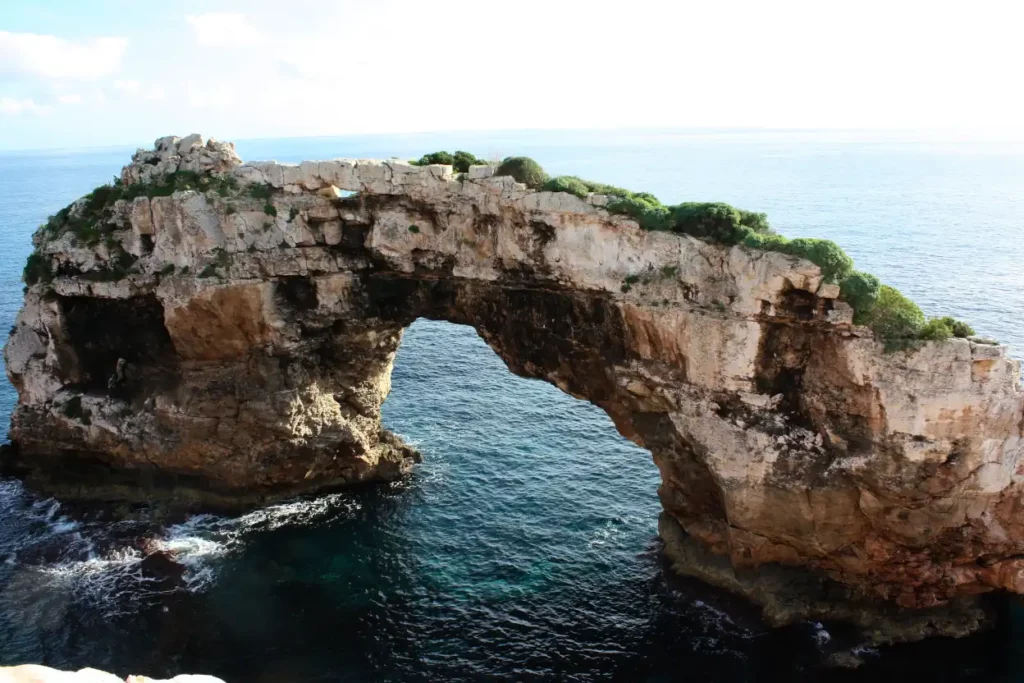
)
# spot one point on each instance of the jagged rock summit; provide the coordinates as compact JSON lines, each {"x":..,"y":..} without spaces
{"x":224,"y":332}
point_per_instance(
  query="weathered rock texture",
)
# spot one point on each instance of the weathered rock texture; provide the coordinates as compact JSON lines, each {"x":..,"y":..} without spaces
{"x":256,"y":365}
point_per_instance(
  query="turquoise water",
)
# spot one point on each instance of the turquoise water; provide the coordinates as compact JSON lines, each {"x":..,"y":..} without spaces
{"x":524,"y":547}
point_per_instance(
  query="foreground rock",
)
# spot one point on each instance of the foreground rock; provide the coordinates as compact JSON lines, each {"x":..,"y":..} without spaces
{"x":235,"y":344}
{"x":31,"y":673}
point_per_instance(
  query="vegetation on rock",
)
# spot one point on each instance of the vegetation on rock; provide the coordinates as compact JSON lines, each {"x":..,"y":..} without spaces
{"x":889,"y":314}
{"x":37,"y":269}
{"x":524,"y":169}
{"x":460,"y":161}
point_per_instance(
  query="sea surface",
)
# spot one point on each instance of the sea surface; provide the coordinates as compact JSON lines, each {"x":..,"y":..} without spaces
{"x":524,"y":547}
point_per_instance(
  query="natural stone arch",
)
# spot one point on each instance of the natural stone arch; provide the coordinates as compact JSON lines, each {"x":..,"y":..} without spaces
{"x":249,"y":357}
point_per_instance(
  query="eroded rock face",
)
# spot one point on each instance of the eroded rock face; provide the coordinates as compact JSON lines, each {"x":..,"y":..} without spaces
{"x":249,"y":354}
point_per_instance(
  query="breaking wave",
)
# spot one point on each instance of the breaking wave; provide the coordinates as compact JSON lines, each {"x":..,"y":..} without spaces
{"x":49,"y":556}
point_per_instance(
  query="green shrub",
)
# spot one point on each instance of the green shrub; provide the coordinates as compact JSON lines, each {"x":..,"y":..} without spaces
{"x":860,"y":290}
{"x":567,"y":183}
{"x":601,"y":188}
{"x":261,"y":191}
{"x":209,"y":271}
{"x":168,"y":269}
{"x":716,"y":221}
{"x":435,"y":158}
{"x":650,"y":215}
{"x":414,"y":229}
{"x":893,"y":315}
{"x":37,"y":269}
{"x":935,"y":329}
{"x":769,"y":241}
{"x":293,"y":213}
{"x":461,"y":161}
{"x":269,"y":209}
{"x":524,"y":169}
{"x":958,"y":328}
{"x":835,"y":264}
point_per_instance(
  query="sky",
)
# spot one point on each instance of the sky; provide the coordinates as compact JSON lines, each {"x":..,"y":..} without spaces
{"x":112,"y":72}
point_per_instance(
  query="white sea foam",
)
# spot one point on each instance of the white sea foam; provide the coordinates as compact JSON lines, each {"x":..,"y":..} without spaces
{"x":92,"y":565}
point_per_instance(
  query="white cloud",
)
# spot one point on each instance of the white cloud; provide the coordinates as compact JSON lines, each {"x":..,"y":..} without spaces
{"x":70,"y":99}
{"x":129,"y":86}
{"x":155,"y":93}
{"x":224,"y":29}
{"x":50,"y":57}
{"x":12,"y":107}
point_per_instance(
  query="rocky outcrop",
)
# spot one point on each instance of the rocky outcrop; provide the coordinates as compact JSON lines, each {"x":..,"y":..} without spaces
{"x":246,"y":352}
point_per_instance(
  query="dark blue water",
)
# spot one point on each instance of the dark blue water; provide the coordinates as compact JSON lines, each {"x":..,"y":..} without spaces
{"x":524,"y":547}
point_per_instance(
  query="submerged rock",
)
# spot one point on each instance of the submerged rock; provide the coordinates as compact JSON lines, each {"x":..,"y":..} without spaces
{"x":246,"y":351}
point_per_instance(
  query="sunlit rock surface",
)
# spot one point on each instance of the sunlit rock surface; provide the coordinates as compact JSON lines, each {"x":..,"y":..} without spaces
{"x":246,"y":353}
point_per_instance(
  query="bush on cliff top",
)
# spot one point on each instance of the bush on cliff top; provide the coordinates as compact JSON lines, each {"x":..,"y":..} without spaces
{"x":524,"y":169}
{"x":892,"y":316}
{"x":835,"y":264}
{"x":460,"y":161}
{"x":889,"y":314}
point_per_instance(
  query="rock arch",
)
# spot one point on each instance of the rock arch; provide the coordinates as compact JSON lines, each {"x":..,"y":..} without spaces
{"x":248,"y":354}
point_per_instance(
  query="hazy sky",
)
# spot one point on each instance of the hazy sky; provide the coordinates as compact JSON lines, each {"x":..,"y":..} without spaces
{"x":76,"y":73}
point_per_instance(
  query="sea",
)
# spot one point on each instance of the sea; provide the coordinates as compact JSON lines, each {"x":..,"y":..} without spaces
{"x":524,"y":547}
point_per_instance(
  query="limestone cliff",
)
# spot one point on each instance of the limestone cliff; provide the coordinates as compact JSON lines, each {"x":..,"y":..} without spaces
{"x":225,"y":332}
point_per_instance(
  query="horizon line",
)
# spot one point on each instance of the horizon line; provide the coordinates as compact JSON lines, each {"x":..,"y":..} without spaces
{"x":979,"y":135}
